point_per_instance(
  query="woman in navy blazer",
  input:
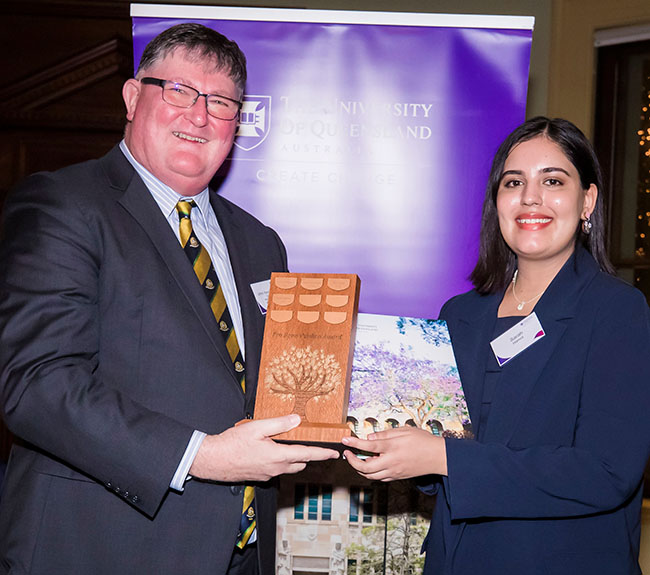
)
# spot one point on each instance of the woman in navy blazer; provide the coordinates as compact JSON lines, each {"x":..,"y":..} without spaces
{"x":552,"y":483}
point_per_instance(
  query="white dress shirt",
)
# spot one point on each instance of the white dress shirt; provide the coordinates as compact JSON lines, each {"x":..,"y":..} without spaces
{"x":206,"y":227}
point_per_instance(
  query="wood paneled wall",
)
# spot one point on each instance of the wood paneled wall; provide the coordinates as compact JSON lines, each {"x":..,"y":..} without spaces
{"x":62,"y":68}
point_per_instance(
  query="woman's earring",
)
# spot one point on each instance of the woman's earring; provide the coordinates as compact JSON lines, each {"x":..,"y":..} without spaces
{"x":586,"y":226}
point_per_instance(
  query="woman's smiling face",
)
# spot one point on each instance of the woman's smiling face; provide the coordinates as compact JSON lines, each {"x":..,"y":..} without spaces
{"x":540,"y":201}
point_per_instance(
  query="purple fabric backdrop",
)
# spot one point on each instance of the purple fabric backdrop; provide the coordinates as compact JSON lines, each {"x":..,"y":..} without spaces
{"x":367,"y":147}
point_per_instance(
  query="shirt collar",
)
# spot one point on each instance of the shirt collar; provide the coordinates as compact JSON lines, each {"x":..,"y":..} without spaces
{"x":165,"y":196}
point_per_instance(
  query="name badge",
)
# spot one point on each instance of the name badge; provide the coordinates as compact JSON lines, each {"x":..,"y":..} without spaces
{"x":518,"y":338}
{"x":261,"y":293}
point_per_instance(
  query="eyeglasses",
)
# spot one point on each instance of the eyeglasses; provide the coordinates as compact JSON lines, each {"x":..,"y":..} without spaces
{"x":183,"y":96}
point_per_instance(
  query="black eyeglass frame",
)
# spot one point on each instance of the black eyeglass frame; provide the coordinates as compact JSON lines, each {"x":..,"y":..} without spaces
{"x":162,"y":83}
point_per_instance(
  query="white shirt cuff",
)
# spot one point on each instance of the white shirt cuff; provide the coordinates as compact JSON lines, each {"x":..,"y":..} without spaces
{"x":183,"y":469}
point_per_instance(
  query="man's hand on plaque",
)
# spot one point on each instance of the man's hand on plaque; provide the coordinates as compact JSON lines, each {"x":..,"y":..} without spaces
{"x":247,"y":452}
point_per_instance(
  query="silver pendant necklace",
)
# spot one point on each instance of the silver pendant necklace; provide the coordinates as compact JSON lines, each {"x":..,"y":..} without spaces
{"x":521,"y":304}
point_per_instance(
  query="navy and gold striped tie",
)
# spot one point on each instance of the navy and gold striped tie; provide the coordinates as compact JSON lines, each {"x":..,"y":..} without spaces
{"x":204,"y":270}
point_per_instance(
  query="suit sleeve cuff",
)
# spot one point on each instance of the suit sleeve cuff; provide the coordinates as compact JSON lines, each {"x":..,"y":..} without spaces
{"x":182,"y":471}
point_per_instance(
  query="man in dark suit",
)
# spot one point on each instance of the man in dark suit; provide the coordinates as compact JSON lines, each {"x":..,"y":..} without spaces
{"x":130,"y":341}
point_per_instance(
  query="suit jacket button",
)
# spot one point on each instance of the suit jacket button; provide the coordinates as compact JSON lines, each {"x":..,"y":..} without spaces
{"x":235,"y":489}
{"x":135,"y":499}
{"x":249,"y":415}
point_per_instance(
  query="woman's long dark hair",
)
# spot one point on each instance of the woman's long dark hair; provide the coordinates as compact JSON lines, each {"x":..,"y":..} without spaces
{"x":496,"y":261}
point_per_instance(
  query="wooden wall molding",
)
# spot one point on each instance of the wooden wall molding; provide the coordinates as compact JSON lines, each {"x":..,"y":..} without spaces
{"x":29,"y":102}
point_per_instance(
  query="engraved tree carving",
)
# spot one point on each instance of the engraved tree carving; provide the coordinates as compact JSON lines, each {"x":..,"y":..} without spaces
{"x":304,"y":374}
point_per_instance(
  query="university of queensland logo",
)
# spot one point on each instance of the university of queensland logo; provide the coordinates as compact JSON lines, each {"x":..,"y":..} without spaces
{"x":254,"y":122}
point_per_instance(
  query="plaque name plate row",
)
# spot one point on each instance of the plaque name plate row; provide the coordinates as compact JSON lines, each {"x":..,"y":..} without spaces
{"x":307,"y":354}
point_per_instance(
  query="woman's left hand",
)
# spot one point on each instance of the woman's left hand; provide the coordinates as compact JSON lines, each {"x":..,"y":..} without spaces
{"x":401,"y":453}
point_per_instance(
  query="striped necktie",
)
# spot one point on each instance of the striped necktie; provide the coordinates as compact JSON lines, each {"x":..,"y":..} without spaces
{"x":204,"y":270}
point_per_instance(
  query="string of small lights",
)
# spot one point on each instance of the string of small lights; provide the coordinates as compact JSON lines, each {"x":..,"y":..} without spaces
{"x":642,"y":235}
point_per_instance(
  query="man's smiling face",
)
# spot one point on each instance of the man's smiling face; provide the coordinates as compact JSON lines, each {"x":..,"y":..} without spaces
{"x":182,"y":147}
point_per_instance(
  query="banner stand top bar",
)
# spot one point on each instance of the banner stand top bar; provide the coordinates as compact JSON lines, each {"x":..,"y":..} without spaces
{"x":332,"y":16}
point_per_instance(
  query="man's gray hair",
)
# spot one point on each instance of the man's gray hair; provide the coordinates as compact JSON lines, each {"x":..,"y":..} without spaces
{"x":201,"y":41}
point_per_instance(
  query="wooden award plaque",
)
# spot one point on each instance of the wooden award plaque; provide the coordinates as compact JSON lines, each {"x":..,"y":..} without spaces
{"x":307,"y":354}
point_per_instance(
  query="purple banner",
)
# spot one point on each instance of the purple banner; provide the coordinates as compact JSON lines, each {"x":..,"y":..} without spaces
{"x":368,"y":146}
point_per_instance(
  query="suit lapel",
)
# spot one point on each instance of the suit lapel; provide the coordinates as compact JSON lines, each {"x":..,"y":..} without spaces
{"x":518,"y":379}
{"x":138,"y":202}
{"x":238,"y":247}
{"x":523,"y":373}
{"x":474,"y":328}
